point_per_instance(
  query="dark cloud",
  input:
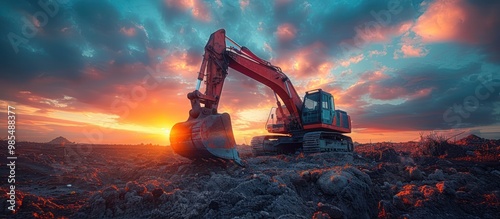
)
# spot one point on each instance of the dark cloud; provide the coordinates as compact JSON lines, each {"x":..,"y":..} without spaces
{"x":34,"y":45}
{"x":473,"y":24}
{"x":428,"y":112}
{"x":486,"y":12}
{"x":333,"y":23}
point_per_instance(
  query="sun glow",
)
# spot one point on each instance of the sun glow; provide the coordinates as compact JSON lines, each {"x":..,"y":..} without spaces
{"x":167,"y":131}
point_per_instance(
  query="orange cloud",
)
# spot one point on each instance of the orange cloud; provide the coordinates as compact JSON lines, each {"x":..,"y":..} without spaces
{"x":442,"y":21}
{"x":181,"y":63}
{"x":374,"y":75}
{"x":309,"y":61}
{"x":244,"y":4}
{"x":352,"y":60}
{"x":128,"y":31}
{"x":368,"y":33}
{"x":198,"y":9}
{"x":412,"y":51}
{"x":286,"y":32}
{"x":456,"y":20}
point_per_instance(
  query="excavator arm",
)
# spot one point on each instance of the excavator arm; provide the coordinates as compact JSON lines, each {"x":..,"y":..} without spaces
{"x":208,"y":134}
{"x":213,"y":71}
{"x":245,"y":62}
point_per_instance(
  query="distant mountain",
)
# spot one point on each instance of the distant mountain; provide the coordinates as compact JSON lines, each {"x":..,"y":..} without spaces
{"x":60,"y":141}
{"x":471,"y":139}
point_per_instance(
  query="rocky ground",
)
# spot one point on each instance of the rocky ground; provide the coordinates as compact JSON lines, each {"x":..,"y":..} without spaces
{"x":384,"y":181}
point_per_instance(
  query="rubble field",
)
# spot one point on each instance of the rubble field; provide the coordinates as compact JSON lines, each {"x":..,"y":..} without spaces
{"x":377,"y":181}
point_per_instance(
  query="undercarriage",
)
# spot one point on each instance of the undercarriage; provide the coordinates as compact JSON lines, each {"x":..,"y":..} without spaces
{"x":311,"y":142}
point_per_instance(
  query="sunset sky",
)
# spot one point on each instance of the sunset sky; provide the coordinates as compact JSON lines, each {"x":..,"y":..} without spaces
{"x":119,"y":71}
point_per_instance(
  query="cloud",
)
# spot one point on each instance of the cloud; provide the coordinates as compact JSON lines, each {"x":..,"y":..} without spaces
{"x":352,"y":60}
{"x":197,"y":8}
{"x":411,"y":51}
{"x":244,"y":4}
{"x":308,"y":61}
{"x":442,"y":21}
{"x":377,"y":53}
{"x":428,"y":93}
{"x":464,"y":21}
{"x":286,"y":32}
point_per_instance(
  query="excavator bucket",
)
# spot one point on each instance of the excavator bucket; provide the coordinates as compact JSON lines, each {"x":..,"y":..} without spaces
{"x":204,"y":138}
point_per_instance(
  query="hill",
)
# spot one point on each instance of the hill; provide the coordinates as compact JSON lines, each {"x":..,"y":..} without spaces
{"x":60,"y":141}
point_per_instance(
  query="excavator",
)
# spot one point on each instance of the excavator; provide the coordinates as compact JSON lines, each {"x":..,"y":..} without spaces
{"x":311,"y":124}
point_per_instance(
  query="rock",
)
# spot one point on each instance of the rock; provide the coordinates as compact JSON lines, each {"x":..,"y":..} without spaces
{"x":477,"y":171}
{"x":405,"y":216}
{"x":349,"y":184}
{"x":427,"y":191}
{"x":389,"y":155}
{"x":399,"y":184}
{"x":306,"y":175}
{"x":406,"y":161}
{"x":264,"y":214}
{"x":386,"y":186}
{"x":289,"y":203}
{"x":110,"y":193}
{"x":442,"y":162}
{"x":437,"y":175}
{"x":163,"y":198}
{"x":398,"y":203}
{"x":452,"y":170}
{"x":148,"y":197}
{"x":385,"y":209}
{"x":132,"y":199}
{"x":320,"y":215}
{"x":446,"y":187}
{"x":495,"y":173}
{"x":98,"y":208}
{"x":415,"y":173}
{"x":150,"y":187}
{"x":408,"y":194}
{"x":330,"y":210}
{"x":157,"y":193}
{"x":134,"y":186}
{"x":121,"y":193}
{"x":462,"y":195}
{"x":332,"y":183}
{"x":291,"y":216}
{"x":213,"y":205}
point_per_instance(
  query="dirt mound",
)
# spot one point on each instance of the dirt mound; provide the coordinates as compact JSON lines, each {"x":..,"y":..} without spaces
{"x":278,"y":187}
{"x":442,"y":148}
{"x":471,"y":140}
{"x":60,"y":141}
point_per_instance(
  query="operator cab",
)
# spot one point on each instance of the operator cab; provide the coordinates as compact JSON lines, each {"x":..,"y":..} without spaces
{"x":318,"y":107}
